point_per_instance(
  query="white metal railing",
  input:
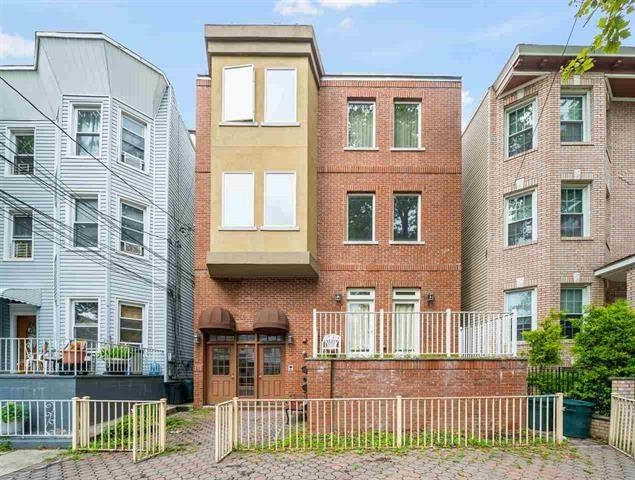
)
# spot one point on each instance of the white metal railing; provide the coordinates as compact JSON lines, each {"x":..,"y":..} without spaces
{"x":36,"y":418}
{"x":379,"y":423}
{"x":467,"y":334}
{"x":148,"y":429}
{"x":76,"y":357}
{"x":622,"y":426}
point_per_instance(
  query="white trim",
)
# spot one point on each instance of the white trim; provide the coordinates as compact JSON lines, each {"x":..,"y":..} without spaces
{"x":18,"y":310}
{"x":146,"y":222}
{"x":407,"y":102}
{"x":534,"y":303}
{"x":392,"y":218}
{"x":534,"y":137}
{"x":73,"y":145}
{"x":295,"y":97}
{"x":410,"y":296}
{"x":362,"y":102}
{"x":363,"y":296}
{"x":253,"y":98}
{"x":11,"y":144}
{"x":624,"y":263}
{"x":8,"y":244}
{"x":70,"y":215}
{"x":70,"y":315}
{"x":586,"y":207}
{"x":534,"y":216}
{"x":119,"y":301}
{"x":146,"y":137}
{"x":294,"y":225}
{"x":586,"y":114}
{"x":360,"y":194}
{"x":222,"y":202}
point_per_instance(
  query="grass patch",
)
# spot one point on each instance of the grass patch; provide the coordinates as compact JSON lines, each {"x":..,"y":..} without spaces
{"x":176,"y":424}
{"x":5,"y":446}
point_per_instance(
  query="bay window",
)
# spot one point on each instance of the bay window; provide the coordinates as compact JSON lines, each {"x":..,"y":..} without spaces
{"x":87,"y":131}
{"x":280,"y":193}
{"x":238,"y":200}
{"x":133,"y":142}
{"x":280,"y":95}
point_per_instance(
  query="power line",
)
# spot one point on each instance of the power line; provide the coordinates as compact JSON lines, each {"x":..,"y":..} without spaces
{"x":190,"y":227}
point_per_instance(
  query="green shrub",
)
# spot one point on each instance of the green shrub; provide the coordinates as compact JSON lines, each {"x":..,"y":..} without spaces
{"x":604,"y":348}
{"x":12,"y":411}
{"x":120,"y":352}
{"x":545,"y":343}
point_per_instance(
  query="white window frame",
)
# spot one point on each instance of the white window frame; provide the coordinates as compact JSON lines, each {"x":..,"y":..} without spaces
{"x":144,"y":208}
{"x":361,"y":296}
{"x":294,"y":121}
{"x":294,"y":225}
{"x":9,"y":226}
{"x":534,"y":304}
{"x":144,"y":309}
{"x":407,"y":296}
{"x":224,"y":226}
{"x":72,"y":212}
{"x":407,"y":102}
{"x":586,"y":206}
{"x":70,"y":314}
{"x":392,"y":219}
{"x":586,"y":113}
{"x":252,"y":120}
{"x":73,"y":144}
{"x":146,"y":136}
{"x":534,"y":216}
{"x":361,"y":242}
{"x":586,"y":294}
{"x":10,"y":147}
{"x":534,"y":137}
{"x":364,"y":102}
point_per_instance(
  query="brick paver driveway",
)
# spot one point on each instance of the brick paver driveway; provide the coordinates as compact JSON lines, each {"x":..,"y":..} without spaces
{"x":190,"y":455}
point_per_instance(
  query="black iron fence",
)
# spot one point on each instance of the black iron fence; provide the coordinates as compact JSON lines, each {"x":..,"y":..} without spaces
{"x":550,"y":380}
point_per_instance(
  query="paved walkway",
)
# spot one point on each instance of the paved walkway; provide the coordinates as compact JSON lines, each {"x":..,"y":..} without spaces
{"x":190,"y":456}
{"x":19,"y":459}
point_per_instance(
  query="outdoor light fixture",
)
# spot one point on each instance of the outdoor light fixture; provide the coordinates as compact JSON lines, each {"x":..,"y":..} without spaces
{"x":430,"y":297}
{"x":197,"y":337}
{"x":289,"y":339}
{"x":338,"y":297}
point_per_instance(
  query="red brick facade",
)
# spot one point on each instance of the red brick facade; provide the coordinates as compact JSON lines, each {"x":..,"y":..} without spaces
{"x":434,"y":173}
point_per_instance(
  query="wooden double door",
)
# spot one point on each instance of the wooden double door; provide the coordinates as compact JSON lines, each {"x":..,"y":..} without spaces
{"x":243,"y":370}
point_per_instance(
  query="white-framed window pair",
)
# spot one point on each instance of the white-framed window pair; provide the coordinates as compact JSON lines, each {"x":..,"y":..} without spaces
{"x":239,"y":91}
{"x":361,"y":124}
{"x":84,"y":317}
{"x":279,"y":200}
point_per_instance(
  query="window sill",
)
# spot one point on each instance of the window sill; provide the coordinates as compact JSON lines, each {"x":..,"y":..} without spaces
{"x":281,"y":124}
{"x":23,"y":175}
{"x":521,"y":154}
{"x":237,"y":229}
{"x":363,"y":149}
{"x":80,"y":157}
{"x":143,"y":258}
{"x":398,"y":149}
{"x":363,"y":242}
{"x":280,"y":229}
{"x":577,"y":144}
{"x":404,"y":242}
{"x":133,"y":169}
{"x":18,"y":260}
{"x":84,"y":249}
{"x":576,"y":239}
{"x":512,"y":247}
{"x":238,"y":124}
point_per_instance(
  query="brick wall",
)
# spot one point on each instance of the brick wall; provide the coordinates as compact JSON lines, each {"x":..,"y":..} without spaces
{"x":418,"y":378}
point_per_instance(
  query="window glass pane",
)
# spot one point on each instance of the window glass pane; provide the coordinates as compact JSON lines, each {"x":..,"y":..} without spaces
{"x":406,"y":125}
{"x":132,"y":226}
{"x":85,"y":210}
{"x":131,"y":323}
{"x":90,"y":144}
{"x":280,"y":101}
{"x":86,"y":319}
{"x":361,"y":125}
{"x":22,"y":226}
{"x":271,"y":360}
{"x":24,"y":144}
{"x":238,"y":207}
{"x":520,"y":127}
{"x":280,"y":199}
{"x":406,"y":211}
{"x":519,"y":218}
{"x":133,"y":126}
{"x":220,"y":361}
{"x":133,"y":139}
{"x":360,"y":217}
{"x":571,"y":108}
{"x":85,"y":235}
{"x":88,"y":121}
{"x":521,"y":301}
{"x":572,"y":303}
{"x":572,"y":216}
{"x":238,"y":94}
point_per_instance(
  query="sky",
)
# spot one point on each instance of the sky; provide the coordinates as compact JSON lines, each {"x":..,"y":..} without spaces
{"x":469,"y":38}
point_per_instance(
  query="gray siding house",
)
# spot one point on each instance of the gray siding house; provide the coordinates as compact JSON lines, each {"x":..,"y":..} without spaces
{"x":96,"y":215}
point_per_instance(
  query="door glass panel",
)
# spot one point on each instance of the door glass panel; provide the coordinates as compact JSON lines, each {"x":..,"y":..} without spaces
{"x":220,"y":361}
{"x":404,"y":328}
{"x":247,"y":337}
{"x":246,"y":371}
{"x":271,"y":364}
{"x":359,"y":327}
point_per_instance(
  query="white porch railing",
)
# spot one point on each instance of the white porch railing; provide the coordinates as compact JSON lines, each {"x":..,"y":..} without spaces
{"x":408,"y":334}
{"x":66,"y":356}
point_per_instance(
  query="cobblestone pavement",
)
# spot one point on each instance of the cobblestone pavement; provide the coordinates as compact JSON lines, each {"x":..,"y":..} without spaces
{"x":190,"y":456}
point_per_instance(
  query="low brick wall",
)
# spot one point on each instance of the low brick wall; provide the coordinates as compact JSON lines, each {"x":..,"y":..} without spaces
{"x":600,"y":427}
{"x":416,"y":378}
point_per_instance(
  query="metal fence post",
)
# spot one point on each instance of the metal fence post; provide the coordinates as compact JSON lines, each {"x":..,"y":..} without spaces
{"x":315,"y":334}
{"x":85,"y":422}
{"x":217,"y":439}
{"x":514,"y":332}
{"x":399,"y":422}
{"x":234,"y":422}
{"x":75,"y":413}
{"x":448,"y":327}
{"x":381,"y":333}
{"x":559,"y":417}
{"x":163,"y":425}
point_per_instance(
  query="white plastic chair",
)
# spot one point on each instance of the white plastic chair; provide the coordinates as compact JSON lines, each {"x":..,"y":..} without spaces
{"x":331,"y":343}
{"x":33,"y":358}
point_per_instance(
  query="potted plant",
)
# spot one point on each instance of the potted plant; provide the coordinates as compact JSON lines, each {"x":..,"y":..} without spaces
{"x":116,"y":359}
{"x":12,"y":418}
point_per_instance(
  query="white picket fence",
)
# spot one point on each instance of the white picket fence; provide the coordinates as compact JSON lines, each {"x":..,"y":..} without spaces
{"x":448,"y":333}
{"x":385,"y":423}
{"x":622,"y":426}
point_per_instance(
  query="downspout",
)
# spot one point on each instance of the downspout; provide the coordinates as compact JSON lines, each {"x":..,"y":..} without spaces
{"x":109,"y":227}
{"x":167,"y":233}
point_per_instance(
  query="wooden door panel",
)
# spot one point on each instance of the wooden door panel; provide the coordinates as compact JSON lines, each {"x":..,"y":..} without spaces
{"x":220,"y":371}
{"x":270,"y":369}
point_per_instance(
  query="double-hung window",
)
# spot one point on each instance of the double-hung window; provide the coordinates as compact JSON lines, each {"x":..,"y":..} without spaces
{"x":87,"y":131}
{"x":573,"y":124}
{"x":405,"y":321}
{"x":407,"y":125}
{"x":360,"y":221}
{"x":238,"y":200}
{"x":520,"y":212}
{"x":132,"y":229}
{"x":573,"y":299}
{"x":524,"y":302}
{"x":280,"y":200}
{"x":130,"y":323}
{"x":85,"y":226}
{"x":85,"y":315}
{"x":238,"y":94}
{"x":574,"y":211}
{"x":24,"y":153}
{"x":406,"y":213}
{"x":133,"y":142}
{"x":520,"y":129}
{"x":360,"y":321}
{"x":21,"y":236}
{"x":361,"y":124}
{"x":280,"y":95}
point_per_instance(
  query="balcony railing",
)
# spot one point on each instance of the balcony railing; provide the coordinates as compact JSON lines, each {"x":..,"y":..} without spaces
{"x":46,"y":356}
{"x":414,"y":334}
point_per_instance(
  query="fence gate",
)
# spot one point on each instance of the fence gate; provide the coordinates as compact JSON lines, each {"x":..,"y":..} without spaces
{"x":622,"y":426}
{"x":148,"y":429}
{"x":225,"y":433}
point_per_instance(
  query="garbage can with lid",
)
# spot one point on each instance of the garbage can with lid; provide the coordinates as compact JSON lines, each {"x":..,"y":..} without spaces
{"x":577,"y":418}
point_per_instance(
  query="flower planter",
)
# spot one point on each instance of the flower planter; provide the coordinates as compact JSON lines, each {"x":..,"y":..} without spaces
{"x":116,"y":366}
{"x":14,"y":428}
